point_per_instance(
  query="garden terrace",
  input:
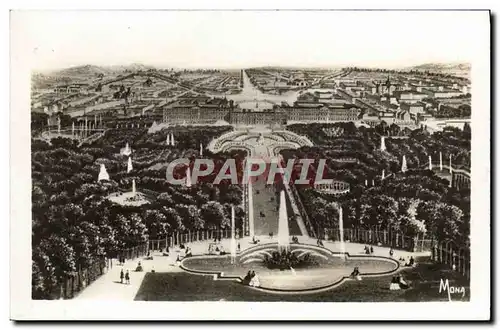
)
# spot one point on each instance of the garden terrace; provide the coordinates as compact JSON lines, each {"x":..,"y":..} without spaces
{"x":402,"y":200}
{"x":75,"y":225}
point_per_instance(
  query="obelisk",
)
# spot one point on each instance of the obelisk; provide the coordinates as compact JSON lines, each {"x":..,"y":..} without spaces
{"x":440,"y":161}
{"x":168,"y":139}
{"x":404,"y":167}
{"x":172,"y":140}
{"x":134,"y":192}
{"x":430,"y":163}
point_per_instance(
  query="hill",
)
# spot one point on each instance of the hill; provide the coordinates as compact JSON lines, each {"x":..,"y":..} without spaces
{"x":81,"y":70}
{"x":442,"y":67}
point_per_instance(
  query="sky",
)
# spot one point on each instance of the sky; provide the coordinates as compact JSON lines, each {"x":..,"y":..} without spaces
{"x":239,"y":39}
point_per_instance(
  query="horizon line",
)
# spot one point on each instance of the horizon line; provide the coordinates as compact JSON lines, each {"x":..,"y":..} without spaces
{"x":242,"y":67}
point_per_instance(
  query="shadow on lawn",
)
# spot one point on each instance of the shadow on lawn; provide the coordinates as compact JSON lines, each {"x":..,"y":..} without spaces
{"x":424,"y":278}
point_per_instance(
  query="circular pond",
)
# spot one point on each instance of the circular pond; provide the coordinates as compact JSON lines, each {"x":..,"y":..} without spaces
{"x":324,"y":269}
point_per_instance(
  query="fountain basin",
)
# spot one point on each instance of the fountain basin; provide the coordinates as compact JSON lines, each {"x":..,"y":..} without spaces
{"x":330,"y":269}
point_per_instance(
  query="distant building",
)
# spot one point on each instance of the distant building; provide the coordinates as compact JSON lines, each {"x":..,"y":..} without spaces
{"x":196,"y":110}
{"x":319,"y":112}
{"x":442,"y":92}
{"x":410,"y":96}
{"x":72,"y":88}
{"x":213,"y":110}
{"x":417,"y":107}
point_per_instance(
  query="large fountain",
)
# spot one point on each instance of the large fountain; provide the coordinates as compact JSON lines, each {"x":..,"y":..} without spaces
{"x":282,"y":266}
{"x":283,"y":230}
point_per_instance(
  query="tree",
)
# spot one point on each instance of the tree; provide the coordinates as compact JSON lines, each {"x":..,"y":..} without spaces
{"x":190,"y":215}
{"x":173,"y":218}
{"x":60,"y":254}
{"x":138,"y":231}
{"x":448,"y":226}
{"x":157,"y":224}
{"x":380,"y":211}
{"x":213,"y":215}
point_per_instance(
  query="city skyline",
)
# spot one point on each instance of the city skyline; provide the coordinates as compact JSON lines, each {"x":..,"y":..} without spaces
{"x":268,"y":38}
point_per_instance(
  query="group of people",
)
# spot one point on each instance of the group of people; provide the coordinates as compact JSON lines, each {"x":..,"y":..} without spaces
{"x":295,"y":240}
{"x":254,"y":240}
{"x":187,"y":252}
{"x":125,"y":276}
{"x":356,"y":274}
{"x":368,"y":250}
{"x":121,"y":260}
{"x":398,"y":283}
{"x":251,"y":279}
{"x":410,"y":263}
{"x":319,"y":242}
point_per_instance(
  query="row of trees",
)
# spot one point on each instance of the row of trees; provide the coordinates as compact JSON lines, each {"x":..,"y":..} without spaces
{"x":363,"y":142}
{"x":74,"y":224}
{"x":413,"y":205}
{"x":425,"y":73}
{"x":415,"y":202}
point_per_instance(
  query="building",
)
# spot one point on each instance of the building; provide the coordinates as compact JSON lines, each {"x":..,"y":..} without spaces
{"x":370,"y":119}
{"x":207,"y":111}
{"x":301,"y":112}
{"x":196,"y":110}
{"x":72,"y":88}
{"x":441,"y":92}
{"x":266,"y":117}
{"x":417,"y":107}
{"x":410,"y":96}
{"x":385,"y":88}
{"x":347,"y":95}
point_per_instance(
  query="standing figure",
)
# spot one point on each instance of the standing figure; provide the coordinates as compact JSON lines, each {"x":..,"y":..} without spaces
{"x":121,"y":276}
{"x":127,"y":277}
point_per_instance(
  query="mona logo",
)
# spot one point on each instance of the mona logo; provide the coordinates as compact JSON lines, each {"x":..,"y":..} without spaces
{"x":444,"y":286}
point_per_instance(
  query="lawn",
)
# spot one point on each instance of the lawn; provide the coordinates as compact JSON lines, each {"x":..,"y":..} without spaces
{"x":188,"y":287}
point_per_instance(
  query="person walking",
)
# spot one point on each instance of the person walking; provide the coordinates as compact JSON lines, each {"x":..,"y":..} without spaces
{"x":121,"y":276}
{"x":127,"y":277}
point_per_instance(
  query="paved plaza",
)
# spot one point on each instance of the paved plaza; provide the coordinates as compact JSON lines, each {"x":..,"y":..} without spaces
{"x":108,"y":286}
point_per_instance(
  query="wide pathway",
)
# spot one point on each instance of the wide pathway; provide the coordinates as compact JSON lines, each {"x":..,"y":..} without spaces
{"x":265,"y":209}
{"x":108,"y":286}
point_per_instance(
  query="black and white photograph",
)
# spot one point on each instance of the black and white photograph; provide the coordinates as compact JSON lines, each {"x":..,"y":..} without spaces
{"x":327,"y":157}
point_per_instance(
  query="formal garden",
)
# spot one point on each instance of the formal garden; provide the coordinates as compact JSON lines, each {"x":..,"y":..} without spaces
{"x":76,"y":228}
{"x":382,"y":199}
